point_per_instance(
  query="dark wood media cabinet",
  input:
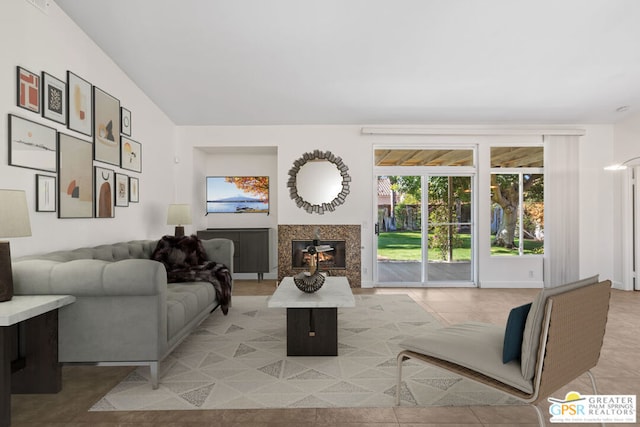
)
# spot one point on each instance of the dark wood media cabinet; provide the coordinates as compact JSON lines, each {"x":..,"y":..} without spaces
{"x":251,"y":247}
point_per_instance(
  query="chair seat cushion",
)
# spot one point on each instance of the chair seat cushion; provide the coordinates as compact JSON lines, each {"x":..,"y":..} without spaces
{"x":474,"y":345}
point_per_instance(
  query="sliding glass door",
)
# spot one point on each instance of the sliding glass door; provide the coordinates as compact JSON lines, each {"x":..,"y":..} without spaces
{"x":425,"y":230}
{"x":450,"y":230}
{"x":399,"y":229}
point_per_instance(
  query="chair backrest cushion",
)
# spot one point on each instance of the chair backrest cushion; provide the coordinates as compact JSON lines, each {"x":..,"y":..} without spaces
{"x":512,"y":347}
{"x":533,"y":325}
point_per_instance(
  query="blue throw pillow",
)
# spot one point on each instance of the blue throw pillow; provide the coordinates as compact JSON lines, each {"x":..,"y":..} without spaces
{"x":513,"y":333}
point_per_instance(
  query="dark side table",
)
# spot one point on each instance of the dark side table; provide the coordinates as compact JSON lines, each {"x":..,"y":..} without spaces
{"x":29,"y":347}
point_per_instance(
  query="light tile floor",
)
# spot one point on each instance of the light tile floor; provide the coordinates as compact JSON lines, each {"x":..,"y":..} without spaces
{"x":618,"y":372}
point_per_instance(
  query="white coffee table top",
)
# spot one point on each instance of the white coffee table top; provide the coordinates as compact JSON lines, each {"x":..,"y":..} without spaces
{"x":23,"y":307}
{"x":335,"y":292}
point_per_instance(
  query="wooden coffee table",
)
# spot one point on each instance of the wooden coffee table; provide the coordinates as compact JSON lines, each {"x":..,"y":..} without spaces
{"x":312,"y":319}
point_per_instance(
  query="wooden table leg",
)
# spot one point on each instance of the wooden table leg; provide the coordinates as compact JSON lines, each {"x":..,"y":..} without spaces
{"x":312,"y":331}
{"x":5,"y":377}
{"x":42,"y":372}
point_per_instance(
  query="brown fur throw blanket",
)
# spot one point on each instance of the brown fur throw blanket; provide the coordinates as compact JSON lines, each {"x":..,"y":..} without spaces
{"x":186,"y":261}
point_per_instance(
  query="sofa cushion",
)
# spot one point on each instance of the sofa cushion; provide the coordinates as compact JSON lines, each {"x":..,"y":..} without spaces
{"x":533,"y":325}
{"x":474,"y":345}
{"x":512,"y":348}
{"x":185,"y":301}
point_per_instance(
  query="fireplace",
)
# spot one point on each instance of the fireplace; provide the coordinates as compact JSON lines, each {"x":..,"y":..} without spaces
{"x":333,"y":257}
{"x":346,"y":234}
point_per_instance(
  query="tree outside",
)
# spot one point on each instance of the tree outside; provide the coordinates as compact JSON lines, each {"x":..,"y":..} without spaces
{"x":256,"y":185}
{"x":505,"y":194}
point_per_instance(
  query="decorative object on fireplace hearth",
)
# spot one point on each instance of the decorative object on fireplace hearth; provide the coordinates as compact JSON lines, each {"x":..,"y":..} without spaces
{"x":308,"y":282}
{"x":319,"y":182}
{"x":312,"y":280}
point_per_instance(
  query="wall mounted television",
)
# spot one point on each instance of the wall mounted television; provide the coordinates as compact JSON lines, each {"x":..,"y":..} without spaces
{"x":237,"y":194}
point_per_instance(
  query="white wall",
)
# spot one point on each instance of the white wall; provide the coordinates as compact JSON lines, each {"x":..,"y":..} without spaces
{"x":357,"y":152}
{"x":287,"y":144}
{"x":596,"y":203}
{"x":53,"y":43}
{"x":626,"y":146}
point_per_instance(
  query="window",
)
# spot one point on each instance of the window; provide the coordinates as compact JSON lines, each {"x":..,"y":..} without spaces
{"x":517,"y":196}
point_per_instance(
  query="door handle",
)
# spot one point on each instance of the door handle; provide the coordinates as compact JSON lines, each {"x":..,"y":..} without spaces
{"x":377,"y":229}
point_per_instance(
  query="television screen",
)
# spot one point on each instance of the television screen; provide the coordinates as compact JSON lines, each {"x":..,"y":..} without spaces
{"x":237,"y":194}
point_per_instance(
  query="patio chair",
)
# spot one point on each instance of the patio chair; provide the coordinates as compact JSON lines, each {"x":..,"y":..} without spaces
{"x":564,"y":330}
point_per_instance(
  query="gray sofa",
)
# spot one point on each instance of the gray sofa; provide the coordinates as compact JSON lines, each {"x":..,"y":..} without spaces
{"x":125,"y":311}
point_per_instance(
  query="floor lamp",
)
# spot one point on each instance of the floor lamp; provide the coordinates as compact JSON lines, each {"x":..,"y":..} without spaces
{"x":14,"y":222}
{"x":623,"y":165}
{"x":179,"y":215}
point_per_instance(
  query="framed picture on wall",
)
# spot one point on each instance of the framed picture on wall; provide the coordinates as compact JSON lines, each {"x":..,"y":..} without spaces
{"x":105,"y":192}
{"x":28,"y":90}
{"x":45,"y":193}
{"x":54,"y":98}
{"x":106,"y":127}
{"x":125,"y":121}
{"x":131,"y":155}
{"x":134,"y":190}
{"x":122,"y":190}
{"x":75,"y":177}
{"x":32,"y":145}
{"x":79,"y":104}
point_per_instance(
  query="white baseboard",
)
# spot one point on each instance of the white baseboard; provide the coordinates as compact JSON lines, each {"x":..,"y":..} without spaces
{"x":512,"y":284}
{"x":616,"y":284}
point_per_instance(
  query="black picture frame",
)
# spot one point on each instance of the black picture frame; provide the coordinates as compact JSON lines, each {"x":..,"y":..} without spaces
{"x":45,"y":193}
{"x":54,"y":98}
{"x":104,"y":180}
{"x":130,"y":155}
{"x":79,"y":104}
{"x":106,"y":127}
{"x":32,"y":145}
{"x":75,"y":177}
{"x":125,"y":121}
{"x":134,"y":190}
{"x":122,"y":190}
{"x":28,"y":90}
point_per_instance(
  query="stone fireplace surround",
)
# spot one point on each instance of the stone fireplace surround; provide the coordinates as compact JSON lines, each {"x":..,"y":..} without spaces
{"x":349,"y":233}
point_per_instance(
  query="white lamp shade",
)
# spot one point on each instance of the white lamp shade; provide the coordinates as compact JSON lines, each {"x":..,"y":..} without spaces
{"x":179,"y":214}
{"x":14,"y":214}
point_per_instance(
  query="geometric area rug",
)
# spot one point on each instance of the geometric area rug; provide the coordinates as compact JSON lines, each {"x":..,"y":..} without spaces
{"x":239,"y":361}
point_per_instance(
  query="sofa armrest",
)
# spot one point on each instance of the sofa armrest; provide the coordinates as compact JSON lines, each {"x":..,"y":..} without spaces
{"x":220,"y":250}
{"x":90,"y":277}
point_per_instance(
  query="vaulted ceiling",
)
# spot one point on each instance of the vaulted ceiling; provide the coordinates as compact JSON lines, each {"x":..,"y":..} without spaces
{"x":270,"y":62}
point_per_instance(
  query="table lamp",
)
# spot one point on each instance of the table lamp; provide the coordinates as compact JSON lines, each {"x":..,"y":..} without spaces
{"x":179,"y":215}
{"x":14,"y":222}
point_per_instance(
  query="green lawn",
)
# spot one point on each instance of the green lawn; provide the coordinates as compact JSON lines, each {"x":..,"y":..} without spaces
{"x":407,"y":246}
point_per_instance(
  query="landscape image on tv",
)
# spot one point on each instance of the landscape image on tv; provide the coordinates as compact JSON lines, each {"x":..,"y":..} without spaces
{"x":237,"y":194}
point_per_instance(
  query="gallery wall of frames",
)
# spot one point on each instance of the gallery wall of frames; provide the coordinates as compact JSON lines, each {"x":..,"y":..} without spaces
{"x":89,"y":169}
